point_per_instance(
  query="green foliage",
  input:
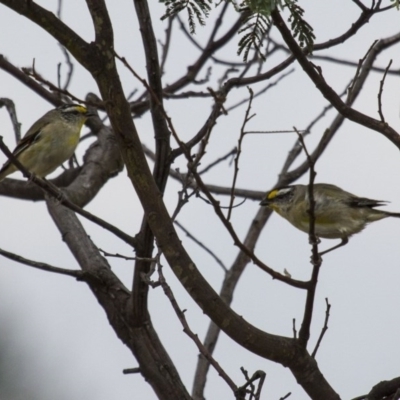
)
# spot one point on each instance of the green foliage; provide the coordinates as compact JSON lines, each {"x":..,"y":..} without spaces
{"x":196,"y":9}
{"x":256,"y":28}
{"x":264,"y":7}
{"x":301,"y":29}
{"x":256,"y":23}
{"x":396,"y":3}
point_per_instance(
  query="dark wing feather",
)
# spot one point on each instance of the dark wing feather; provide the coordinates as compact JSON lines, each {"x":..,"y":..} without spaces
{"x":364,"y":202}
{"x":26,"y":141}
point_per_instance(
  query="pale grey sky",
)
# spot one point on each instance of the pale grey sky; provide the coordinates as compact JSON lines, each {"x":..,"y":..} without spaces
{"x":80,"y":355}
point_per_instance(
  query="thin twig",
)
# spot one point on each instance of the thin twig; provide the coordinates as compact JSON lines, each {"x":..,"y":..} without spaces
{"x":324,"y":328}
{"x":207,"y":133}
{"x":66,"y":55}
{"x":117,"y":255}
{"x":258,"y":375}
{"x":311,"y":211}
{"x":58,"y":194}
{"x":261,"y":91}
{"x":59,"y":9}
{"x":198,"y":195}
{"x":247,"y":118}
{"x":192,"y":168}
{"x":359,"y":66}
{"x":166,"y":45}
{"x":326,"y":90}
{"x":304,"y":333}
{"x":70,"y":68}
{"x":218,"y":160}
{"x":352,"y":64}
{"x":242,"y":247}
{"x":255,"y":195}
{"x":217,"y":24}
{"x":203,"y":49}
{"x":270,"y":132}
{"x":127,"y":371}
{"x":78,"y":274}
{"x":204,"y":247}
{"x":339,"y":119}
{"x":382,"y":82}
{"x":186,"y":95}
{"x":12,"y":112}
{"x":296,"y":149}
{"x":145,"y":84}
{"x":294,"y":328}
{"x":181,"y":316}
{"x":54,"y":88}
{"x":183,"y":194}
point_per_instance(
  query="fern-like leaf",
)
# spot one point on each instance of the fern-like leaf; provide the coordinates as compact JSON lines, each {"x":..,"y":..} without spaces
{"x":256,"y":28}
{"x":301,"y":28}
{"x":196,"y":9}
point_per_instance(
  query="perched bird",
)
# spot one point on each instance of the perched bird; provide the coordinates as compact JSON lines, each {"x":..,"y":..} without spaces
{"x":50,"y":141}
{"x":338,"y":214}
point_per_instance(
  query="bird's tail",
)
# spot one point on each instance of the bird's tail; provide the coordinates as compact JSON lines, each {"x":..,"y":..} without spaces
{"x":391,"y":214}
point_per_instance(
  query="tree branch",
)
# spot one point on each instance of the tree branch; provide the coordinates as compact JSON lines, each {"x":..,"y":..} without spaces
{"x":79,"y":275}
{"x":327,"y":91}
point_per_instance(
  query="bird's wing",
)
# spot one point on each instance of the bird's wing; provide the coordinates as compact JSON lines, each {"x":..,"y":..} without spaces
{"x":30,"y":137}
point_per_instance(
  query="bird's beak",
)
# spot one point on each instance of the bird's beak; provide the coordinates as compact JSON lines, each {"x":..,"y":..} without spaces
{"x":90,"y":114}
{"x":265,"y":202}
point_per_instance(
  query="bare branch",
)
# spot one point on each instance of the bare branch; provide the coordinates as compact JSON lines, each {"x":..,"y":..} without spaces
{"x":246,"y":119}
{"x":327,"y":91}
{"x":80,"y":275}
{"x":218,"y":160}
{"x":58,"y":194}
{"x":340,"y":61}
{"x":381,"y":91}
{"x":80,"y":49}
{"x":128,"y":371}
{"x":338,"y":120}
{"x":205,"y":248}
{"x":238,"y":243}
{"x":253,"y":393}
{"x":384,"y":389}
{"x":359,"y":66}
{"x":294,"y":328}
{"x":181,"y":316}
{"x":29,"y":82}
{"x":262,"y":91}
{"x":116,"y":255}
{"x":166,"y":44}
{"x":304,"y":333}
{"x":323,"y":330}
{"x":62,"y":93}
{"x":12,"y":112}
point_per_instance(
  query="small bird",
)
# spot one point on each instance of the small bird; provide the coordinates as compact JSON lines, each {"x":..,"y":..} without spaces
{"x":338,"y":214}
{"x":50,"y":141}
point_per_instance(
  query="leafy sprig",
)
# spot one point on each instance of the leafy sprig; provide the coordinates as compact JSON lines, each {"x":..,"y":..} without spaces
{"x":196,"y":9}
{"x":301,"y":29}
{"x":256,"y":28}
{"x":256,"y":24}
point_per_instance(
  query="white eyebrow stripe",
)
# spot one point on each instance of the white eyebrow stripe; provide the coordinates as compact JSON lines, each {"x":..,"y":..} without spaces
{"x":284,"y":190}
